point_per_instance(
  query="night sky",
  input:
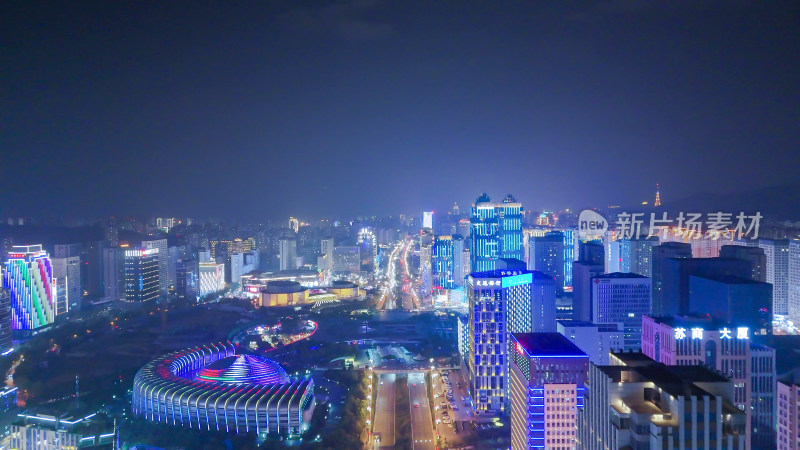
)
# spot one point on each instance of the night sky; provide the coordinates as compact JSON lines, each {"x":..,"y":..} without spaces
{"x":262,"y":109}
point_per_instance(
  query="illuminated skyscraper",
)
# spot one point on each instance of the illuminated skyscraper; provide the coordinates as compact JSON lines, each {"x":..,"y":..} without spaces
{"x":141,"y":274}
{"x":569,"y":256}
{"x":443,"y":262}
{"x":793,"y":281}
{"x":548,"y":375}
{"x":288,"y":254}
{"x":163,"y":262}
{"x":5,"y":321}
{"x":495,"y":232}
{"x":427,"y":220}
{"x":187,"y":279}
{"x":622,"y":298}
{"x":546,"y":254}
{"x":294,"y":224}
{"x":510,"y":228}
{"x":368,"y":249}
{"x":636,"y":255}
{"x":28,"y":275}
{"x":484,"y":239}
{"x":777,"y":252}
{"x":487,"y":364}
{"x":508,"y":299}
{"x":68,"y":273}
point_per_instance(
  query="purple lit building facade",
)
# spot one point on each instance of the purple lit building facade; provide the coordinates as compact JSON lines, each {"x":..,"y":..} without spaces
{"x":548,"y":376}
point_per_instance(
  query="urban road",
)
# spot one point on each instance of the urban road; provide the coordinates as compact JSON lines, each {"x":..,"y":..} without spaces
{"x":421,"y":426}
{"x":384,"y":411}
{"x":422,"y":433}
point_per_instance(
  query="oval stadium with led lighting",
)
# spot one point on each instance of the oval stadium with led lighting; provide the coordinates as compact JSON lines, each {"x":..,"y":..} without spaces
{"x":212,"y":388}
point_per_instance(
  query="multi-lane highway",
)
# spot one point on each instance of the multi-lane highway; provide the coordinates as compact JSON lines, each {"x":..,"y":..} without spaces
{"x":389,"y":289}
{"x":384,"y":412}
{"x":421,"y":426}
{"x":422,"y":432}
{"x":398,"y":290}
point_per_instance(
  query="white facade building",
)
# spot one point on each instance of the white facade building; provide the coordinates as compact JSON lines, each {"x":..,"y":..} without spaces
{"x":212,"y":278}
{"x":596,"y":340}
{"x":163,"y":262}
{"x":777,"y":253}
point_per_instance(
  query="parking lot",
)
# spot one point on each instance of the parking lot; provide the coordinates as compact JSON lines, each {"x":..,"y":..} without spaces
{"x":453,"y":410}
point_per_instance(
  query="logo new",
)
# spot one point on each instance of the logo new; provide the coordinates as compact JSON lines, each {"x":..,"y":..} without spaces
{"x":591,"y":225}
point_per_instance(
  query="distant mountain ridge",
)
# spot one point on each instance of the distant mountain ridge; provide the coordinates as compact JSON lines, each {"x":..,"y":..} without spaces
{"x":774,"y":203}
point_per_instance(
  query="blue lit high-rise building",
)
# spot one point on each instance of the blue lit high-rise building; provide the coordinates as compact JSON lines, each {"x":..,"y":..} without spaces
{"x":507,"y":299}
{"x":496,"y":232}
{"x":546,"y":254}
{"x":569,"y":256}
{"x":510,"y":227}
{"x":442,"y":262}
{"x":490,"y":295}
{"x":484,"y":236}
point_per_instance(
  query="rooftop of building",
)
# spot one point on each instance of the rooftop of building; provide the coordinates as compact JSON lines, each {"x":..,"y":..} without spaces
{"x":774,"y":241}
{"x":26,"y":248}
{"x":621,"y":275}
{"x":288,"y":273}
{"x":283,"y":287}
{"x":511,"y":263}
{"x":500,"y":273}
{"x":689,"y":320}
{"x":675,"y":380}
{"x":718,"y":259}
{"x":67,"y":419}
{"x":587,"y":263}
{"x":676,"y":245}
{"x":554,"y":236}
{"x":483,"y":198}
{"x":729,"y":279}
{"x":547,"y":345}
{"x":585,"y":324}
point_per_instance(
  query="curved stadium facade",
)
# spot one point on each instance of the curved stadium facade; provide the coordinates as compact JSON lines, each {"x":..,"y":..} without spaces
{"x":211,"y":388}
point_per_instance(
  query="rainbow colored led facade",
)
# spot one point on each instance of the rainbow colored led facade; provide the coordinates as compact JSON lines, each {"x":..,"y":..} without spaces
{"x":28,"y":276}
{"x":211,"y":388}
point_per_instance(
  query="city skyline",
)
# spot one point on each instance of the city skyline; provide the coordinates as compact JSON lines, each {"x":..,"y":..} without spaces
{"x":376,"y":224}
